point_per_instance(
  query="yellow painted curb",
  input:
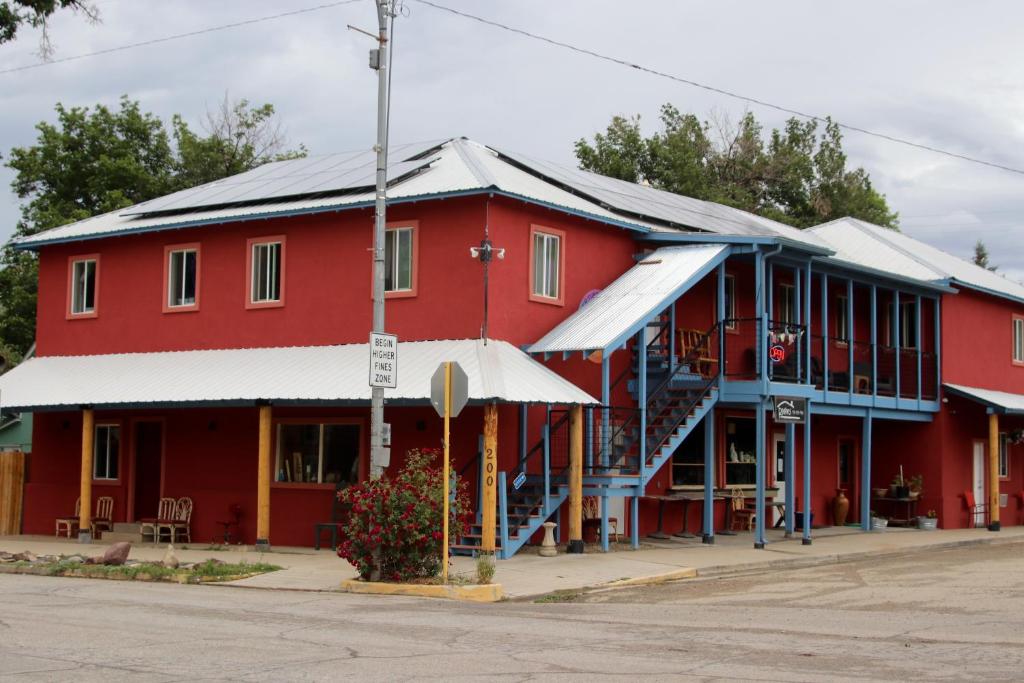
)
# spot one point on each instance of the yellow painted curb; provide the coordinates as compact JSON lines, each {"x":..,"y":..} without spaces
{"x":654,"y":579}
{"x":491,"y":592}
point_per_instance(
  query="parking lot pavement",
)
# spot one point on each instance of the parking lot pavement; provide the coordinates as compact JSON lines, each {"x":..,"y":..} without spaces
{"x":949,"y":614}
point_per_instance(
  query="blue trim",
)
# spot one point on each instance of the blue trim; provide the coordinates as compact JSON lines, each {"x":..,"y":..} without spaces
{"x":671,"y":297}
{"x":850,"y":336}
{"x":917,"y":341}
{"x":953,"y":283}
{"x":604,"y":523}
{"x":709,"y":477}
{"x":807,"y":478}
{"x":605,"y":401}
{"x":874,"y":339}
{"x":503,"y":514}
{"x":824,"y":334}
{"x":634,"y":522}
{"x":809,"y":318}
{"x":759,"y":448}
{"x":865,"y":474}
{"x":798,"y":314}
{"x":790,"y":467}
{"x":524,"y":418}
{"x":897,"y":339}
{"x":762,"y":328}
{"x":713,"y":238}
{"x":938,"y":347}
{"x":641,"y":353}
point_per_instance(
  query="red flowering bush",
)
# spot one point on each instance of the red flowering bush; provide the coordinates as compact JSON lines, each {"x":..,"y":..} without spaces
{"x":394,"y":528}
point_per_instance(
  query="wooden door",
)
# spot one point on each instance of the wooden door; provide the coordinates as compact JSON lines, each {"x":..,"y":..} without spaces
{"x":849,"y":469}
{"x":12,"y":486}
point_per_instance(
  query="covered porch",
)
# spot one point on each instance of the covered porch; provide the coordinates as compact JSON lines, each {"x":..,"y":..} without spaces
{"x":259,"y":440}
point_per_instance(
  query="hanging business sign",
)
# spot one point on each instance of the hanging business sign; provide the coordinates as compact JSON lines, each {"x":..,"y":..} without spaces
{"x":789,"y":410}
{"x":777,"y":353}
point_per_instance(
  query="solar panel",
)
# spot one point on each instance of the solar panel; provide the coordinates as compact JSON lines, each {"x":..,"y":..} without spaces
{"x":330,"y":173}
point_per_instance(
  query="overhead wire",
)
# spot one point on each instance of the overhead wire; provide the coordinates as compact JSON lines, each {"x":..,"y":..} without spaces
{"x":717,"y":90}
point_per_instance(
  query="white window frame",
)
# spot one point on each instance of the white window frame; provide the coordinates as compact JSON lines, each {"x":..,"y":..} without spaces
{"x":1004,"y":456}
{"x":170,"y":278}
{"x":85,"y":263}
{"x":392,"y":239}
{"x":272,"y":271}
{"x":730,"y":302}
{"x":842,"y":319}
{"x":321,"y":440}
{"x":1018,"y":340}
{"x":549,"y":245}
{"x":104,"y":457}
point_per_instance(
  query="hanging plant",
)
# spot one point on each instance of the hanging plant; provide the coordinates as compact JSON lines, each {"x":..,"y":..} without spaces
{"x":1017,"y":437}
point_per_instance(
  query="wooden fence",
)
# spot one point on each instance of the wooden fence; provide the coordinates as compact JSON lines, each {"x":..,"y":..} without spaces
{"x":12,"y":486}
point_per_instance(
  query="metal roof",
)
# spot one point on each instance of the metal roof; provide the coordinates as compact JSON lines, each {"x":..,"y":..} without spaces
{"x":624,"y":307}
{"x":998,"y":401}
{"x":420,"y":171}
{"x":497,"y":371}
{"x":872,"y":246}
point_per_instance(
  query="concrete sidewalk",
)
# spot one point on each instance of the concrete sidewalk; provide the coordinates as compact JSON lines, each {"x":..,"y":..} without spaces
{"x":528,"y":574}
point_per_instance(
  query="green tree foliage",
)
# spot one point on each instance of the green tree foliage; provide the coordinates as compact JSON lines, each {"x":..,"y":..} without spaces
{"x":797,"y":175}
{"x":981,"y":256}
{"x":99,"y":159}
{"x":15,"y":14}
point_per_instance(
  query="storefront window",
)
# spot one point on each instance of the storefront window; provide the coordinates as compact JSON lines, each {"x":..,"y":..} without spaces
{"x":740,"y":452}
{"x":321,"y":453}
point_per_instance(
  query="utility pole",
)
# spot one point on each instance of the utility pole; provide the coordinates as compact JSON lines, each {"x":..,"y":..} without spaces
{"x":379,"y":62}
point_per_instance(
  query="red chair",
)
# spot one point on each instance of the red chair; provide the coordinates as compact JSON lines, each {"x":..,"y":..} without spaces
{"x":974,"y":509}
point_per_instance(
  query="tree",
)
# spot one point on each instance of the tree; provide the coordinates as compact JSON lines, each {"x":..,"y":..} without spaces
{"x":16,"y":13}
{"x":795,"y":175}
{"x":92,"y":161}
{"x":981,"y":256}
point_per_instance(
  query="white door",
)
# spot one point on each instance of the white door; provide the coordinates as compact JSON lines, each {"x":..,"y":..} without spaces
{"x":779,"y":450}
{"x":979,"y":480}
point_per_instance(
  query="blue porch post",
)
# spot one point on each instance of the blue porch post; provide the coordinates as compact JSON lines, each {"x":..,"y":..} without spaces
{"x":849,"y":333}
{"x":897,"y":338}
{"x":798,"y":314}
{"x":720,"y":308}
{"x":546,"y":501}
{"x":589,"y":440}
{"x":672,"y":337}
{"x":523,"y":421}
{"x":605,"y":401}
{"x":938,"y":347}
{"x":642,"y":405}
{"x":917,"y":342}
{"x":759,"y":449}
{"x":709,"y":477}
{"x":824,"y":333}
{"x":874,"y":340}
{"x":770,"y":308}
{"x":807,"y":319}
{"x":604,"y":523}
{"x":807,"y":477}
{"x":865,"y":473}
{"x":762,"y":327}
{"x":634,"y":521}
{"x":790,"y":467}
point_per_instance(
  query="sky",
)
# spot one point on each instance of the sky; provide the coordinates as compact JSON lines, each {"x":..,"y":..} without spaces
{"x":941,"y":73}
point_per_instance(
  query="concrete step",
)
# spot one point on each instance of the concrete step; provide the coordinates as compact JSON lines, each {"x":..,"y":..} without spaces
{"x":127,"y":527}
{"x":115,"y":536}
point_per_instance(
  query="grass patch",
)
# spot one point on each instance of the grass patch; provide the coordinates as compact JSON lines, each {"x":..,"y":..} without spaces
{"x":204,"y":572}
{"x":559,"y":596}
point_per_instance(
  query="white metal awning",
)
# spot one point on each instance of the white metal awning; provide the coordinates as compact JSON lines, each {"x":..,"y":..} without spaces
{"x":622,"y":308}
{"x":997,"y":401}
{"x":327,"y":375}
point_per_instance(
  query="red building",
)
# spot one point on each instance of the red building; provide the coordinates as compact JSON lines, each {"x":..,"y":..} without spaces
{"x":167,"y":330}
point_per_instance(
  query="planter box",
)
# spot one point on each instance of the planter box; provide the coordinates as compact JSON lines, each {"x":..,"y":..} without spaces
{"x":879,"y":523}
{"x":928,"y":523}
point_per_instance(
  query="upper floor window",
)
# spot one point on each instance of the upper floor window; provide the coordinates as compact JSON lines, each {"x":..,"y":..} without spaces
{"x":842,"y":318}
{"x":106,"y":452}
{"x":181,"y":263}
{"x":547,"y":258}
{"x":908,"y":325}
{"x":1018,"y":340}
{"x":1004,"y":456}
{"x":266,"y":272}
{"x":400,"y":260}
{"x":787,"y":304}
{"x":730,"y":303}
{"x":83,"y":275}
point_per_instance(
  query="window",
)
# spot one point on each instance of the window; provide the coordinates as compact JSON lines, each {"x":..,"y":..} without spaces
{"x":106,"y":452}
{"x":546,"y":258}
{"x":1018,"y":340}
{"x":842,"y":318}
{"x":181,"y":263}
{"x":318,"y":453}
{"x":1004,"y":456}
{"x":399,"y":260}
{"x":83,"y":273}
{"x":740,"y":451}
{"x":730,"y":302}
{"x":787,"y":305}
{"x":908,"y":325}
{"x":266,"y":266}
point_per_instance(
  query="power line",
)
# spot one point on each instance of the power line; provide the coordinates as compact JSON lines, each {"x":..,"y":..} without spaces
{"x":178,"y":36}
{"x":720,"y":91}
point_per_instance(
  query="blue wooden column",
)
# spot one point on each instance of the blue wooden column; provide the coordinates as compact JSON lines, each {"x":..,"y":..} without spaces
{"x":634,"y":521}
{"x":759,"y":506}
{"x":523,"y":438}
{"x":807,"y":320}
{"x":917,"y":343}
{"x":762,"y":326}
{"x":849,"y":334}
{"x":824,"y":333}
{"x":874,"y":340}
{"x":865,"y":473}
{"x":807,"y":477}
{"x":897,"y":338}
{"x":589,"y":440}
{"x":605,"y":436}
{"x":709,"y":477}
{"x":642,"y":403}
{"x":938,"y":348}
{"x":790,"y":467}
{"x":798,"y":314}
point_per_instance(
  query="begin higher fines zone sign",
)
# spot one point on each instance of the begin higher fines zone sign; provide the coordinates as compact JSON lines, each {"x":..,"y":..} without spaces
{"x":383,"y":360}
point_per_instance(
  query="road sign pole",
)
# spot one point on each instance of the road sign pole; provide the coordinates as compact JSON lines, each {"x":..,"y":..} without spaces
{"x":447,"y":421}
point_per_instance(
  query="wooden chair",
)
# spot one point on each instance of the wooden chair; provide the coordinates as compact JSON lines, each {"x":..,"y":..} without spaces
{"x":695,"y":341}
{"x":974,"y":509}
{"x":164,"y":513}
{"x":103,"y":519}
{"x":592,"y":511}
{"x":743,"y":517}
{"x":180,"y":524}
{"x":69,"y":524}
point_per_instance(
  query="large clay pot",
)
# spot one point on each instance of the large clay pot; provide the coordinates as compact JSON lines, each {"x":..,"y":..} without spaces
{"x":840,"y":507}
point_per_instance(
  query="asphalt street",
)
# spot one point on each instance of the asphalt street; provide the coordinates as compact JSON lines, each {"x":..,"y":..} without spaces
{"x":940,"y":615}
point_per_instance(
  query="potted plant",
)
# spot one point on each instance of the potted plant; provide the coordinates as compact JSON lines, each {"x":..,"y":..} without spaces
{"x":899,"y":488}
{"x":928,"y":522}
{"x":878,"y":522}
{"x":916,"y":485}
